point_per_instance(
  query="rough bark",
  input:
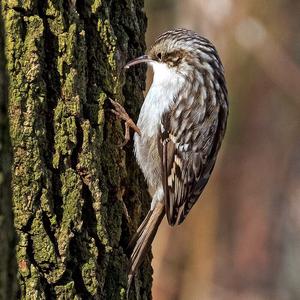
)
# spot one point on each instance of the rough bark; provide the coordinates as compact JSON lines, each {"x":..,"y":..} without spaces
{"x":7,"y":234}
{"x":77,"y":195}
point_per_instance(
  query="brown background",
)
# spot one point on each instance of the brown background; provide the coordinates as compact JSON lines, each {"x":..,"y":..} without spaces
{"x":241,"y":241}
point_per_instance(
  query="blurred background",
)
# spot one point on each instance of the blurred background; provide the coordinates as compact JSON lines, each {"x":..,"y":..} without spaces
{"x":242,"y":240}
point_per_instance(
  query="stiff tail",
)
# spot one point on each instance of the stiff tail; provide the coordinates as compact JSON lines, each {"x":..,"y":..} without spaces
{"x":144,"y":238}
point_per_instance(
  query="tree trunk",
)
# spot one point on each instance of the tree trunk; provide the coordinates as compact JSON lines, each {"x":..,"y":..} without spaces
{"x":7,"y":234}
{"x":77,"y":195}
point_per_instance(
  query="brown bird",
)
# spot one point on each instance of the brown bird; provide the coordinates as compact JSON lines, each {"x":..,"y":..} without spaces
{"x":179,"y":130}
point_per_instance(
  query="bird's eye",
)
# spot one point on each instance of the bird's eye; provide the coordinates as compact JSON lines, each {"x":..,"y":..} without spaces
{"x":177,"y":59}
{"x":159,"y":56}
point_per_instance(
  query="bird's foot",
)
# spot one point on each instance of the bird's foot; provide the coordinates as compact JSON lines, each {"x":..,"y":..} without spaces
{"x":121,"y":113}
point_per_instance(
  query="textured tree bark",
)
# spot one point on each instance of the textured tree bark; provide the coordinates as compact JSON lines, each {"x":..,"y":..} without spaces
{"x":77,"y":195}
{"x":7,"y":234}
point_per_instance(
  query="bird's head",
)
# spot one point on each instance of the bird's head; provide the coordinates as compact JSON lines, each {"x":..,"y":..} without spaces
{"x":182,"y":51}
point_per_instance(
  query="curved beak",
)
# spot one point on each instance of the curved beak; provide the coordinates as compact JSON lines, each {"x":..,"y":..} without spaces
{"x":138,"y":60}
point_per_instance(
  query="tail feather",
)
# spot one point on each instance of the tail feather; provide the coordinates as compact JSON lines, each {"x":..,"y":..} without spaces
{"x":139,"y":232}
{"x":144,"y":238}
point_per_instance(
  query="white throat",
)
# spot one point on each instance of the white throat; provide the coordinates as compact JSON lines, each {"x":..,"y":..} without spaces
{"x":163,"y":75}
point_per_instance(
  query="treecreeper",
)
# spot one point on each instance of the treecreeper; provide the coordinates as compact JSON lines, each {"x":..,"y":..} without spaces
{"x":179,"y":131}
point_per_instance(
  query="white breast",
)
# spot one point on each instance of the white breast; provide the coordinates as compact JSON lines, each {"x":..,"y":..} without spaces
{"x":165,"y":86}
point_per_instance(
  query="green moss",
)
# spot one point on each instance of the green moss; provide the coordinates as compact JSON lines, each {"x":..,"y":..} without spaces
{"x":66,"y":291}
{"x":65,"y":134}
{"x":96,"y":6}
{"x":28,"y":5}
{"x":44,"y":253}
{"x":13,"y":42}
{"x":33,"y":290}
{"x":22,"y":259}
{"x":72,"y":209}
{"x":108,"y":39}
{"x":101,"y":100}
{"x":89,"y":276}
{"x":24,"y":66}
{"x":72,"y":200}
{"x":122,"y":294}
{"x":54,"y":12}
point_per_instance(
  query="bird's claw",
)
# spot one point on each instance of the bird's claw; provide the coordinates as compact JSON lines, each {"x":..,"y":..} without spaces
{"x":121,"y":113}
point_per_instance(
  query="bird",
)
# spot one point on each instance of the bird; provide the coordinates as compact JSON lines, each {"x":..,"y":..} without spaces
{"x":179,"y":130}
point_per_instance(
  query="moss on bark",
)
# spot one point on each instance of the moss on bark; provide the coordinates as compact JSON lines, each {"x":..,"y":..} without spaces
{"x":72,"y":184}
{"x":7,"y":234}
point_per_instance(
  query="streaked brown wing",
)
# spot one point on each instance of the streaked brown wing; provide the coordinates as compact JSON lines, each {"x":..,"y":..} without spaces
{"x":188,"y":146}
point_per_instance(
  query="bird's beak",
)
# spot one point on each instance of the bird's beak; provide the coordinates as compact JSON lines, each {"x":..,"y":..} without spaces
{"x":138,"y":60}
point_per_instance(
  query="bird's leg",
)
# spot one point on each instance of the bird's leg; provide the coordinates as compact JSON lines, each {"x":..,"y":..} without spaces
{"x":121,"y":113}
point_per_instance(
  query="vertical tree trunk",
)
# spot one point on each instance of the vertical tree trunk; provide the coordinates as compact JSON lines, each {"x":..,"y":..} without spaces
{"x":77,"y":195}
{"x":7,"y":235}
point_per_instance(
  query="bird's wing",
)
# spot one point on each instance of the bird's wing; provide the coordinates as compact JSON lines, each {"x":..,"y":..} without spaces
{"x":190,"y":137}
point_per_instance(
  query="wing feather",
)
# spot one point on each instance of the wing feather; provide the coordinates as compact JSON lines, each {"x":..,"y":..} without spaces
{"x":188,"y":154}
